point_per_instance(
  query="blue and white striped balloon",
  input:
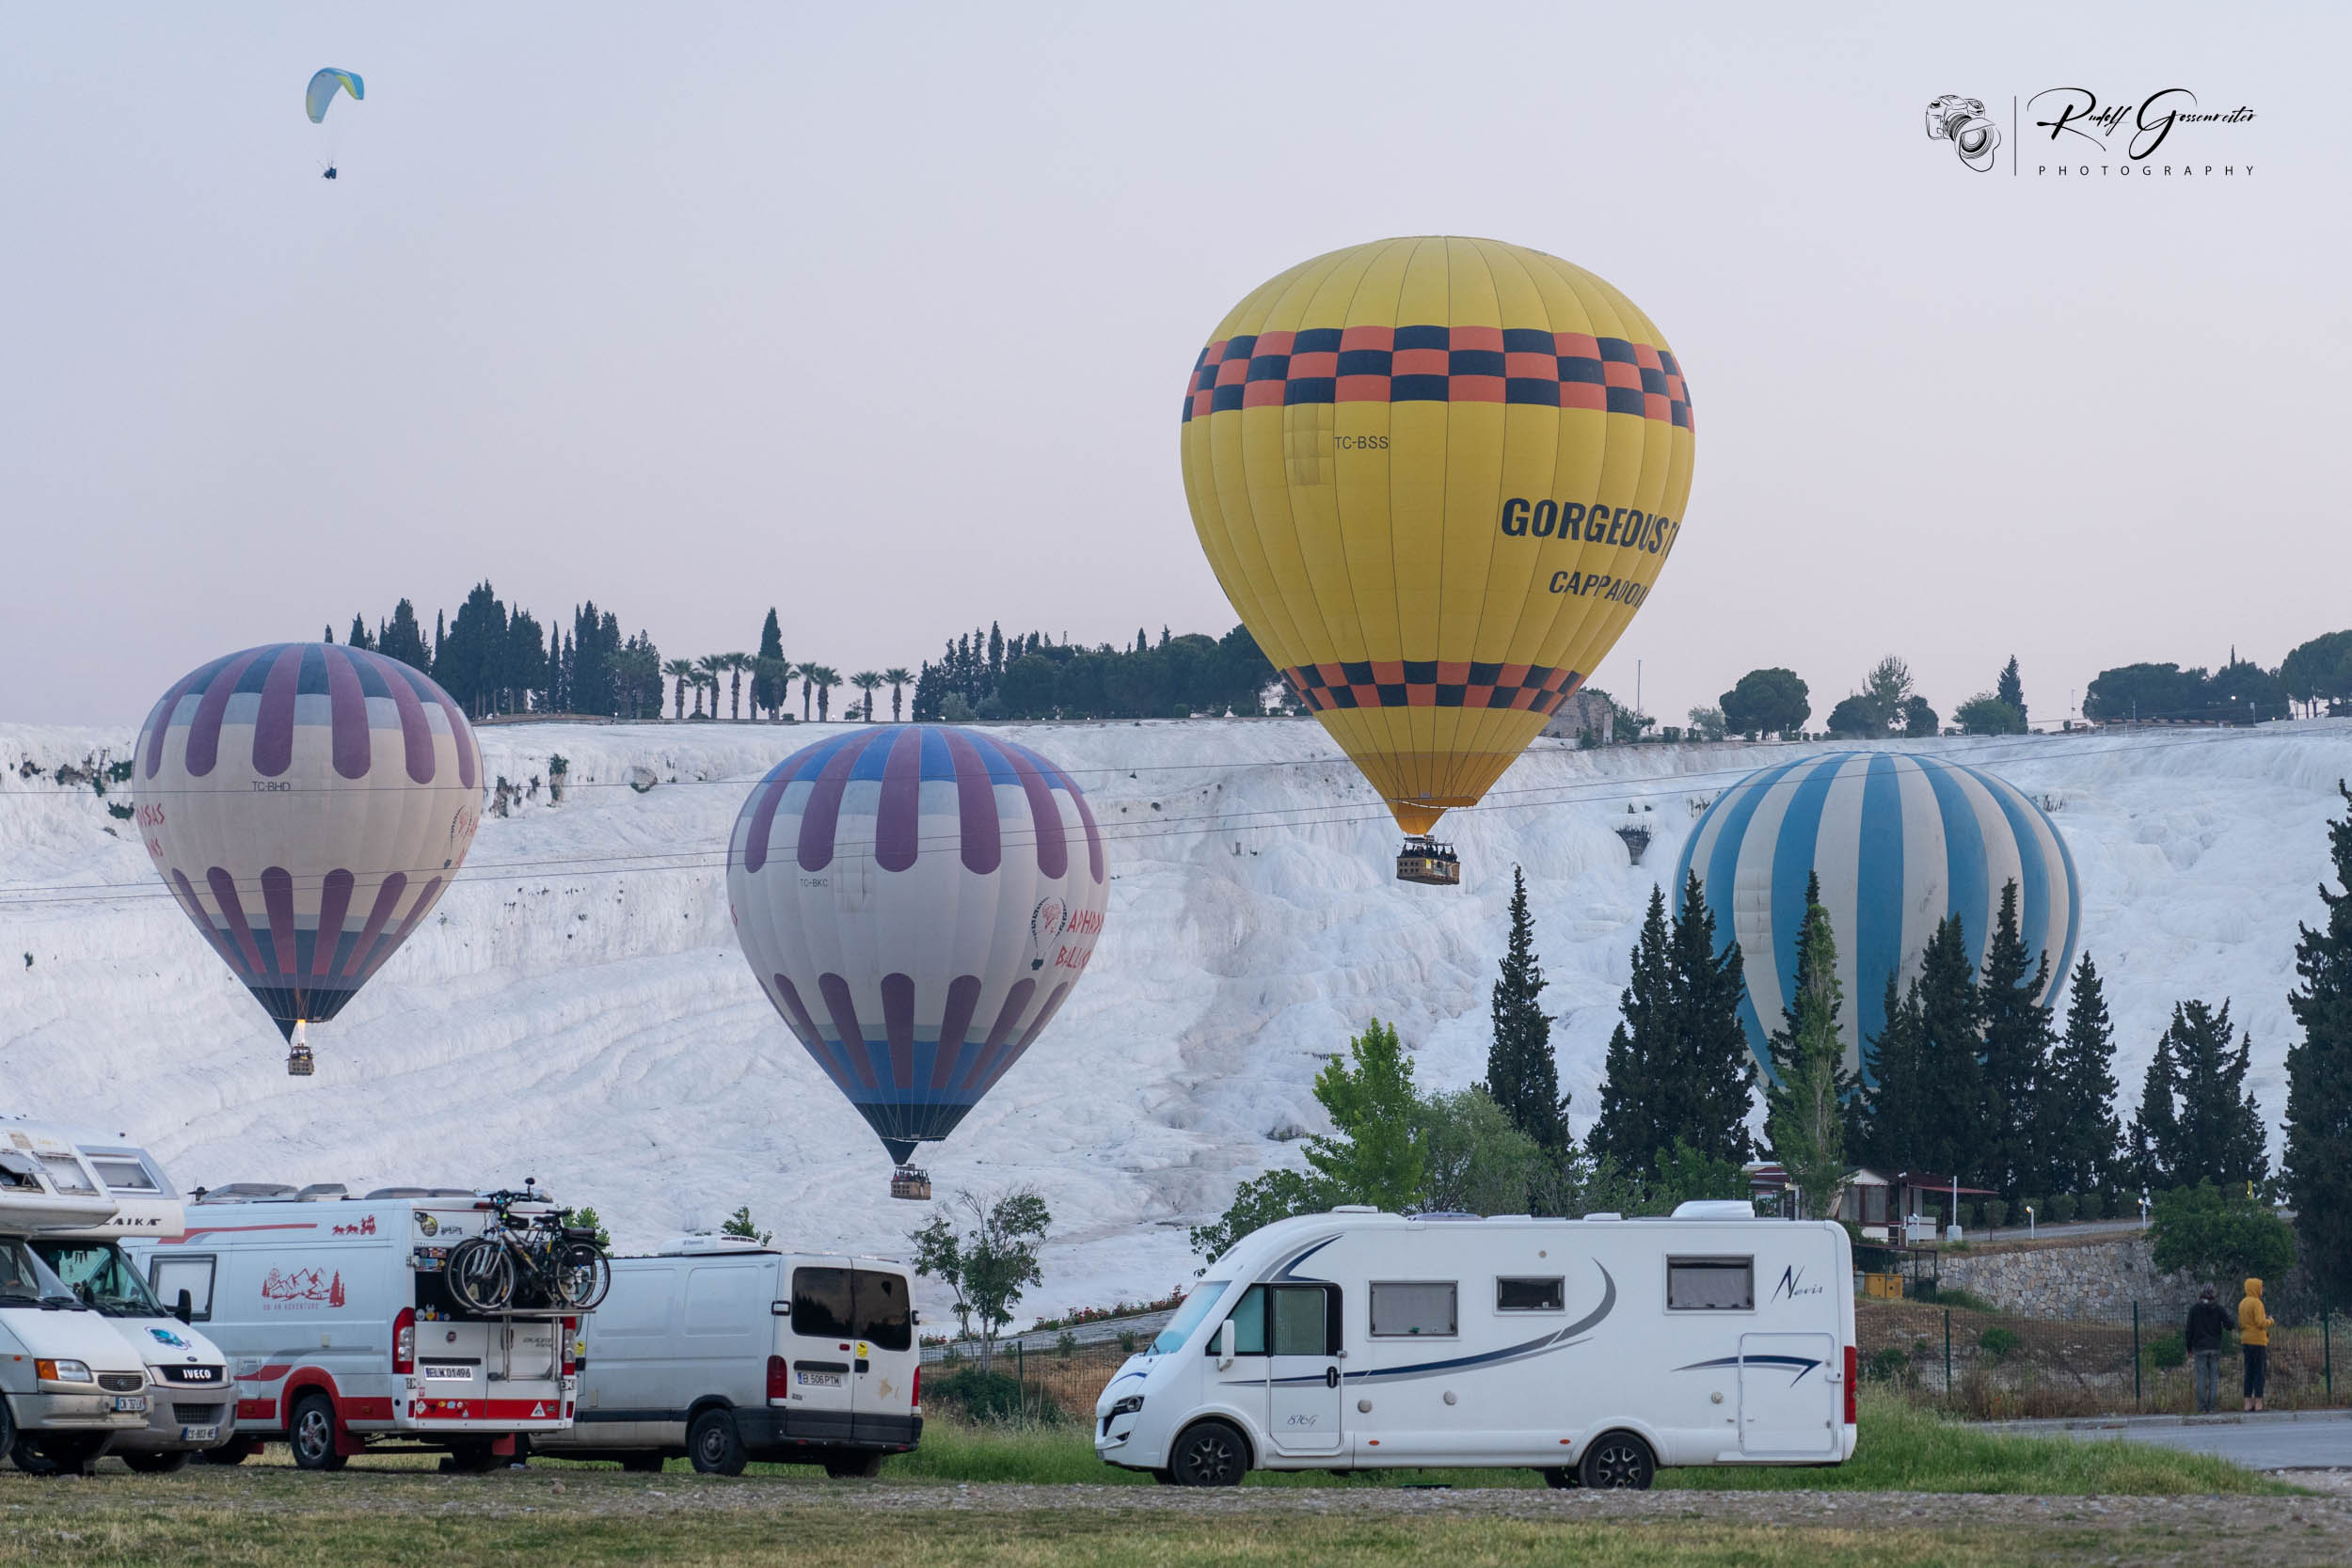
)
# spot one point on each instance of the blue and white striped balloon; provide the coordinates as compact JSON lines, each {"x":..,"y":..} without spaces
{"x":1899,"y":841}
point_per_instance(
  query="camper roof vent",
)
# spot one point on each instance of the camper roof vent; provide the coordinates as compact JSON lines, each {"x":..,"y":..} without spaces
{"x":244,"y":1192}
{"x":1355,"y":1208}
{"x":322,"y":1192}
{"x":1715,"y":1209}
{"x":703,"y":1242}
{"x":422,"y":1192}
{"x":1445,"y":1215}
{"x":1605,"y":1214}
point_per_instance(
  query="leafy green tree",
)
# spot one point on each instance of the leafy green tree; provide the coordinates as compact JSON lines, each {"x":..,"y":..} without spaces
{"x":2318,"y":670}
{"x":740,"y":1224}
{"x":1476,"y":1159}
{"x":1803,"y":1118}
{"x":587,"y":1219}
{"x":1857,"y":718}
{"x":1682,"y":1174}
{"x":2318,"y":1156}
{"x":1259,"y":1202}
{"x":1028,"y":688}
{"x":2016,"y":1053}
{"x":1521,"y":1073}
{"x":2220,"y":1235}
{"x":1985,"y":714}
{"x":1706,"y":723}
{"x":2009,"y":689}
{"x":990,"y":1264}
{"x":2082,"y":1141}
{"x":1888,"y":685}
{"x":1374,"y":1158}
{"x":1767,"y":702}
{"x":1919,"y":718}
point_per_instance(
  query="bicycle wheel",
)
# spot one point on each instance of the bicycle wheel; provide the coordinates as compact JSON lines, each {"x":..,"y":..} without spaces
{"x":479,"y":1275}
{"x":583,"y":1275}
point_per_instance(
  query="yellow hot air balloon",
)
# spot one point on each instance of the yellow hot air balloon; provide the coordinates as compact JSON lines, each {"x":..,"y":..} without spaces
{"x":1436,"y":477}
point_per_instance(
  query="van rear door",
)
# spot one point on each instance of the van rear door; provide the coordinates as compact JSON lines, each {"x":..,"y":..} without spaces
{"x":819,"y":1349}
{"x":882,"y":1376}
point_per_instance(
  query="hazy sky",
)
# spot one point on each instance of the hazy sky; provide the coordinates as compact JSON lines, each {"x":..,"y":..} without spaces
{"x":881,"y":314}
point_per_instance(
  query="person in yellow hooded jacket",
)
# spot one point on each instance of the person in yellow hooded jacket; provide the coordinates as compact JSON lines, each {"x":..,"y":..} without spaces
{"x":2253,"y":1335}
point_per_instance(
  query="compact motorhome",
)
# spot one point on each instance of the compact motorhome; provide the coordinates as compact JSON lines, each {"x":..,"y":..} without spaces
{"x":722,"y":1351}
{"x":1593,"y":1350}
{"x":189,"y":1389}
{"x":341,"y":1333}
{"x":70,"y":1386}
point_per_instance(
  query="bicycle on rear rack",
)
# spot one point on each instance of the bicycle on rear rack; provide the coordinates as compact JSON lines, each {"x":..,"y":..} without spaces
{"x":528,"y":1262}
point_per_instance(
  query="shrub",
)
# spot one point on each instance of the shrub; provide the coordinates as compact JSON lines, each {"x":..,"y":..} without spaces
{"x":1995,"y":1214}
{"x":2091,"y":1206}
{"x":1127,"y":1340}
{"x":1954,"y":1296}
{"x":1888,"y":1365}
{"x":1997,"y":1341}
{"x":2062,"y":1209}
{"x":1065,"y":1344}
{"x":2211,"y":1234}
{"x":980,"y":1396}
{"x":2168,"y":1352}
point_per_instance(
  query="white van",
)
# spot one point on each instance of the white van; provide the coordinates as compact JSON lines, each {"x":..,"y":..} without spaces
{"x":1593,"y":1350}
{"x":70,"y":1386}
{"x":340,"y":1331}
{"x":724,"y":1351}
{"x":188,"y":1391}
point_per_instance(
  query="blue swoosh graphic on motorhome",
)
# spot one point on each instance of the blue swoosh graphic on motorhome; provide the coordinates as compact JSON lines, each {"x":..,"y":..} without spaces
{"x":1542,"y":1344}
{"x":1804,"y":1364}
{"x":1289,"y":1269}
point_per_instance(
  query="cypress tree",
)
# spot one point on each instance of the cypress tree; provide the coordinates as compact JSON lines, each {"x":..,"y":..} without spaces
{"x":2318,"y":1156}
{"x":1522,"y":1074}
{"x":2084,"y":1141}
{"x":2155,"y":1132}
{"x":2219,"y":1130}
{"x":1949,"y":1134}
{"x":359,"y":637}
{"x":2009,"y":689}
{"x":1803,"y":1119}
{"x":767,"y":686}
{"x":1632,"y":1126}
{"x":2016,"y":1051}
{"x":1888,"y":1124}
{"x":1714,"y":1070}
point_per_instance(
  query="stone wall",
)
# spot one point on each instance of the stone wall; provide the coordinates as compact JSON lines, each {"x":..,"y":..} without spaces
{"x":2097,"y":1277}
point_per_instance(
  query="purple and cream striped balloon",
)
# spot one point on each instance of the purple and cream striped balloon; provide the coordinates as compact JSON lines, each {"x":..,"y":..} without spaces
{"x":306,"y":803}
{"x":916,"y":900}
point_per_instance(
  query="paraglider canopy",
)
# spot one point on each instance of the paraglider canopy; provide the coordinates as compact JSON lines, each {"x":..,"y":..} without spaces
{"x":324,"y":86}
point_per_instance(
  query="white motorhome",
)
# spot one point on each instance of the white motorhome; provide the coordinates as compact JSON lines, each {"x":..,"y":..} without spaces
{"x":342,"y":1334}
{"x":70,"y":1386}
{"x":189,"y":1389}
{"x":722,"y":1351}
{"x":1593,"y":1350}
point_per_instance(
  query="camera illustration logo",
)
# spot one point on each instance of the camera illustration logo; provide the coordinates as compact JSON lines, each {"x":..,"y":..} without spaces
{"x":1962,"y":122}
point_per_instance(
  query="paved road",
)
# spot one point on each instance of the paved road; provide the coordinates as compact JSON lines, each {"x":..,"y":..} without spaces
{"x":2268,"y":1440}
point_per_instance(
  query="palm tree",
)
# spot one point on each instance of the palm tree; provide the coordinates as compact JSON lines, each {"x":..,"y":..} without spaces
{"x":808,"y":684}
{"x":898,"y":676}
{"x":736,"y":664}
{"x":680,"y":671}
{"x":827,"y":678}
{"x":713,"y":667}
{"x":867,"y":681}
{"x":707,"y":682}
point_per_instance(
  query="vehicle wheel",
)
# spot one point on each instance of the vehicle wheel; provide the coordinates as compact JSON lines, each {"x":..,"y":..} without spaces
{"x":310,"y":1433}
{"x":56,"y":1453}
{"x":714,"y":1445}
{"x":583,"y":1275}
{"x":1210,"y":1454}
{"x":1166,"y":1478}
{"x":163,"y":1463}
{"x":479,"y":1275}
{"x":1561,"y":1479}
{"x":235,"y":1452}
{"x":8,"y":1427}
{"x":854,"y":1467}
{"x":1617,"y":1461}
{"x":643,"y":1463}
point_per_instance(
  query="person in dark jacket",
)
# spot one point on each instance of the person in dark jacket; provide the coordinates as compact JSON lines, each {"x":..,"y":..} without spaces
{"x":2209,"y":1322}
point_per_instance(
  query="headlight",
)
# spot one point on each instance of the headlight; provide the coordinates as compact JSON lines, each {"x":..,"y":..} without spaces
{"x":63,"y":1371}
{"x":1128,"y":1406}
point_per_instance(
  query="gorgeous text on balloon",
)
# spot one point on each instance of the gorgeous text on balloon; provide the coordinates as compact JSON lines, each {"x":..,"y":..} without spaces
{"x":1593,"y":525}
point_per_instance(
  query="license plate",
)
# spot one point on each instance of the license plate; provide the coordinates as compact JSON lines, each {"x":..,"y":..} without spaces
{"x":130,"y":1402}
{"x":198,"y":1435}
{"x":460,"y":1374}
{"x":819,"y":1380}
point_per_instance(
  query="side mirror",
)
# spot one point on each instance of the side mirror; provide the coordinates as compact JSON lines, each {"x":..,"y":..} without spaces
{"x":185,"y":1308}
{"x":1224,"y":1344}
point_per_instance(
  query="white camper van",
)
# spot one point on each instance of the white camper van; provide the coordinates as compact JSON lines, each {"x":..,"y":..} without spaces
{"x":188,"y":1390}
{"x":1593,"y":1350}
{"x":724,"y":1351}
{"x":70,"y":1386}
{"x":342,"y":1334}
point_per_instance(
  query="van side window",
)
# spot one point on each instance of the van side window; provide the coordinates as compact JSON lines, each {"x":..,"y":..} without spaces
{"x":1305,"y":1320}
{"x":1248,"y":1320}
{"x":821,"y":1303}
{"x":169,"y":1276}
{"x":1710,"y":1284}
{"x":1531,"y":1295}
{"x":1405,"y":1309}
{"x":878,"y":1303}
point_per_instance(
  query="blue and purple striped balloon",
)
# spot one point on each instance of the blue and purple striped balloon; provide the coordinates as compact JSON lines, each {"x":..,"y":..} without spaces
{"x":1899,"y":841}
{"x":917,"y":901}
{"x":306,"y":803}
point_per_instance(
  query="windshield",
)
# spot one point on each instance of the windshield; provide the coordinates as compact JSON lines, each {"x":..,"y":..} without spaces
{"x":1188,"y":1316}
{"x":101,"y":1276}
{"x":25,"y":1280}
